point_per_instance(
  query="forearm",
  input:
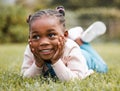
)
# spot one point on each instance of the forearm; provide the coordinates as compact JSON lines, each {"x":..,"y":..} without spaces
{"x":31,"y":71}
{"x":64,"y":73}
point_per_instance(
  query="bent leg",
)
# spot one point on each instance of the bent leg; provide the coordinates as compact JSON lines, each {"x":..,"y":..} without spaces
{"x":94,"y":61}
{"x":89,"y":59}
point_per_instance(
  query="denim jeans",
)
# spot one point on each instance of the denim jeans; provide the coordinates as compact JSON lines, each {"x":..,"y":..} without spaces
{"x":94,"y":61}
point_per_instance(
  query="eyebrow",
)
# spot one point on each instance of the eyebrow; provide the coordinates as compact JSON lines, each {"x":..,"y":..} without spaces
{"x":34,"y":32}
{"x":51,"y":30}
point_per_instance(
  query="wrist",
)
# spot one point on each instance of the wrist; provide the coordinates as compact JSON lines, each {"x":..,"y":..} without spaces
{"x":53,"y":61}
{"x":38,"y":64}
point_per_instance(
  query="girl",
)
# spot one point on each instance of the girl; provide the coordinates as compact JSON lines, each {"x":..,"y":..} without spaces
{"x":50,"y":51}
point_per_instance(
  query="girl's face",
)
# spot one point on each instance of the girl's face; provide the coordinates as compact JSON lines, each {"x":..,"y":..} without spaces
{"x":44,"y":35}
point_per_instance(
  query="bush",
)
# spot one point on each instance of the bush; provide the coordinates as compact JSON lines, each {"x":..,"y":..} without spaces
{"x":110,"y":16}
{"x":18,"y":34}
{"x":13,"y":27}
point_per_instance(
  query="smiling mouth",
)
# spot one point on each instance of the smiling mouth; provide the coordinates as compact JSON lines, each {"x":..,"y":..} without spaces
{"x":46,"y":51}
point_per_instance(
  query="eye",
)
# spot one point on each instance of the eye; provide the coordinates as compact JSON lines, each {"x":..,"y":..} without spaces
{"x":35,"y":37}
{"x":51,"y":35}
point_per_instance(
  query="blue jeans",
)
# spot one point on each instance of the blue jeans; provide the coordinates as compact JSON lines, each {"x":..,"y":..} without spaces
{"x":94,"y":61}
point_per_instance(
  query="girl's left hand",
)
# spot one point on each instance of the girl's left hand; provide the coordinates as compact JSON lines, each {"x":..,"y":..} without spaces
{"x":38,"y":61}
{"x":60,"y":50}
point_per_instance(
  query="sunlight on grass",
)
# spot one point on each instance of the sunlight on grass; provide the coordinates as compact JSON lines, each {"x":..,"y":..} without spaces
{"x":11,"y":57}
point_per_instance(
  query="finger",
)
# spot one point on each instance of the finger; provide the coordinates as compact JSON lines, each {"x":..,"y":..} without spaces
{"x":62,"y":42}
{"x":29,"y":40}
{"x":31,"y":45}
{"x":60,"y":45}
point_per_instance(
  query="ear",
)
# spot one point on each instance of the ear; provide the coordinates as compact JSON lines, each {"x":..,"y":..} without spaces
{"x":66,"y":33}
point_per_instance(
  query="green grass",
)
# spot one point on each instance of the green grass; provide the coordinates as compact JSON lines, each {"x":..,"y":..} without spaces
{"x":11,"y":56}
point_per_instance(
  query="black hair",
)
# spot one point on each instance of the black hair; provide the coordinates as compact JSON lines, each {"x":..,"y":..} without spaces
{"x":59,"y":13}
{"x":61,"y":10}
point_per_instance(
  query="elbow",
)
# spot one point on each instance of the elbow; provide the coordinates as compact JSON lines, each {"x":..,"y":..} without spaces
{"x":25,"y":74}
{"x":67,"y":77}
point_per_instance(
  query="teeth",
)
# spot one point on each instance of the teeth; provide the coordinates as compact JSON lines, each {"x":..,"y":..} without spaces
{"x":45,"y":50}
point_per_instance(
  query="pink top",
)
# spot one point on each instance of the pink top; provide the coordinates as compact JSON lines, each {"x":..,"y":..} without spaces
{"x":71,"y":65}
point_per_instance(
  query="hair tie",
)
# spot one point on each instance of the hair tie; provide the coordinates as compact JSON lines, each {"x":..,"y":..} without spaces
{"x":28,"y":19}
{"x":61,"y":10}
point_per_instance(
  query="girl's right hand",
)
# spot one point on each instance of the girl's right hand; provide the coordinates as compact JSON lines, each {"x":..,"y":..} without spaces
{"x":60,"y":49}
{"x":38,"y":61}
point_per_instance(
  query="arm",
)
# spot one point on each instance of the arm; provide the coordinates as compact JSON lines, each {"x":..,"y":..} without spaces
{"x":29,"y":68}
{"x":75,"y":67}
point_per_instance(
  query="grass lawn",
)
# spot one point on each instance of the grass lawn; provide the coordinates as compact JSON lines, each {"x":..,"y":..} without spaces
{"x":11,"y":56}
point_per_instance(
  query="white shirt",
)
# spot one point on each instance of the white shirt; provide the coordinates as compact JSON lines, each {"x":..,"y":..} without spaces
{"x":71,"y":65}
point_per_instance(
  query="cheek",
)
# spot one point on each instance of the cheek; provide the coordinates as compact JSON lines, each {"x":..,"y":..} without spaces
{"x":35,"y":45}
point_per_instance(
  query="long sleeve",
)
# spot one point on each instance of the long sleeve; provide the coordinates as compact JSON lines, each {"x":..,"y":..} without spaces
{"x":29,"y":68}
{"x":72,"y":65}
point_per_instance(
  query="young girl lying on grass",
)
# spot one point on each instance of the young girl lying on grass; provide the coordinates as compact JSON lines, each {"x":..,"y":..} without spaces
{"x":52,"y":51}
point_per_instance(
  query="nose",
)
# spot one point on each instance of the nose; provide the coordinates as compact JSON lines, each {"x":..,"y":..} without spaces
{"x":44,"y":42}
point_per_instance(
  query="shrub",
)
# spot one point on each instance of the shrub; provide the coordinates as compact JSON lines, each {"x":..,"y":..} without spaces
{"x":18,"y":34}
{"x":13,"y":27}
{"x":110,"y":16}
